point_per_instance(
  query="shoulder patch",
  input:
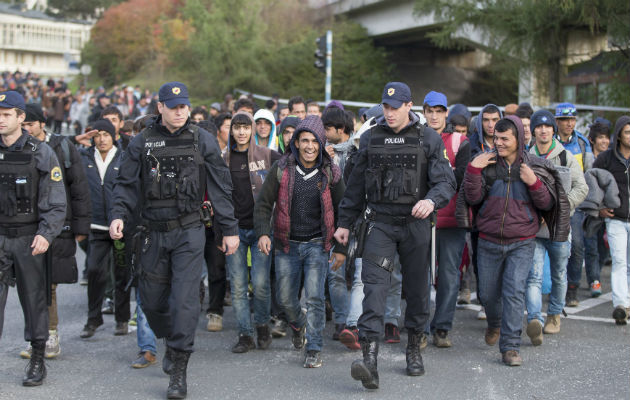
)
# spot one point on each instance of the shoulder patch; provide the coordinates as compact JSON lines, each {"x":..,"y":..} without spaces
{"x":55,"y":174}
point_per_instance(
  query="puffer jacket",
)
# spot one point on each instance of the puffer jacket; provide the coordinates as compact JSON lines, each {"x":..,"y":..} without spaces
{"x":520,"y":204}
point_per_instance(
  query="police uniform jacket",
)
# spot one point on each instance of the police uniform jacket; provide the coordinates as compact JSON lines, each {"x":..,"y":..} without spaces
{"x":51,"y":199}
{"x":440,"y":178}
{"x":218,"y":180}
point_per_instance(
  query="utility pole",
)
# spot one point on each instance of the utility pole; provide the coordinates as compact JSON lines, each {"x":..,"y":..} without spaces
{"x":323,"y":60}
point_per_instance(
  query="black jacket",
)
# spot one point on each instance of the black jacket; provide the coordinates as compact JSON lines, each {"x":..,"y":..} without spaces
{"x":101,"y":192}
{"x":614,"y":162}
{"x":441,"y":180}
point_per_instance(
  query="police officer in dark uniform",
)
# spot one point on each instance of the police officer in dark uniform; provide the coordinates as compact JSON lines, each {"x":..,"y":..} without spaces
{"x":32,"y":214}
{"x":78,"y":216}
{"x":403,"y":173}
{"x":173,"y":162}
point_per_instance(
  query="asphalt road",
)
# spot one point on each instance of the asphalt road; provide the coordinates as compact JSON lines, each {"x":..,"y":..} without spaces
{"x":589,"y":359}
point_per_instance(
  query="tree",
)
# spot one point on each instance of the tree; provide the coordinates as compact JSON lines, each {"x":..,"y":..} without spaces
{"x":81,"y":9}
{"x":529,"y":32}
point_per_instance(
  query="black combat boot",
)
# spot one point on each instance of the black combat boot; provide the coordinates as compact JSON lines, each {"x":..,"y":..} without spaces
{"x":365,"y":370}
{"x":36,"y":370}
{"x":167,"y":361}
{"x":414,"y":359}
{"x":177,"y":386}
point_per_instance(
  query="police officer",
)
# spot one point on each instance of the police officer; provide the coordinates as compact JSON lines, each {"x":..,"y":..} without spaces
{"x":32,"y":213}
{"x":173,"y":162}
{"x":78,"y":215}
{"x":403,"y":173}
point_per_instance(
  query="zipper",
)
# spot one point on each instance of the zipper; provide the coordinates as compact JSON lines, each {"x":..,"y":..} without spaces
{"x":507,"y":199}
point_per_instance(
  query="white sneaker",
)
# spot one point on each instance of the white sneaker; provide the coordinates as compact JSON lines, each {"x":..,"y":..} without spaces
{"x":215,"y":322}
{"x":481,"y":315}
{"x":26,"y":353}
{"x":52,"y":345}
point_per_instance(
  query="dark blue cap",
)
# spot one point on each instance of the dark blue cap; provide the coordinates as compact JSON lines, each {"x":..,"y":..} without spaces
{"x":395,"y":94}
{"x":173,"y":94}
{"x":603,"y":121}
{"x":566,"y":110}
{"x":12,"y":99}
{"x":433,"y":99}
{"x":542,"y":117}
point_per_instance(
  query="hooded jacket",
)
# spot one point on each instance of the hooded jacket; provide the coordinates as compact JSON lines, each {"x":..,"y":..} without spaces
{"x":508,"y":211}
{"x":279,"y":191}
{"x":602,"y":193}
{"x":458,"y":151}
{"x":259,"y":158}
{"x":612,"y":161}
{"x":267,"y":115}
{"x":571,"y":172}
{"x":476,"y":139}
{"x":289,"y":121}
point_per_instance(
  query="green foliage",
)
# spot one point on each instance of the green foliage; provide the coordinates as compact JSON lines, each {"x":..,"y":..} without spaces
{"x":80,"y":8}
{"x":263,"y":46}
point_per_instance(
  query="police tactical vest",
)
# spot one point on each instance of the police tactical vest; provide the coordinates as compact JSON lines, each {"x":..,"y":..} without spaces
{"x":173,"y":172}
{"x":397,"y":166}
{"x":19,"y":185}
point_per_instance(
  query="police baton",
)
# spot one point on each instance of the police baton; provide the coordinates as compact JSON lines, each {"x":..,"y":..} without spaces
{"x":433,"y":230}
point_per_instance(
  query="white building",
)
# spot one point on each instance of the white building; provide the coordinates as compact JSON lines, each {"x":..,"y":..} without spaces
{"x":31,"y":41}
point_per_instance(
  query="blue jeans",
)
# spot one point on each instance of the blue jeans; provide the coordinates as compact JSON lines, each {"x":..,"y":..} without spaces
{"x":355,"y":307}
{"x":239,"y":282}
{"x":338,"y":291}
{"x":619,"y":241}
{"x":310,"y":259}
{"x":595,"y":254}
{"x":558,"y":257}
{"x":503,"y":270}
{"x":574,"y":267}
{"x":145,"y":336}
{"x":450,"y":246}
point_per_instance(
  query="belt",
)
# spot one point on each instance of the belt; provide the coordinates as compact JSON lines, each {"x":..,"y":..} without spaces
{"x":394,"y":220}
{"x":179,"y":222}
{"x":18,"y":231}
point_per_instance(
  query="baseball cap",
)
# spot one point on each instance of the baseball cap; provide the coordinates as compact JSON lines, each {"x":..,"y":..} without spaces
{"x":566,"y":110}
{"x":12,"y":99}
{"x":433,"y":99}
{"x":395,"y":94}
{"x":173,"y":94}
{"x":34,"y":113}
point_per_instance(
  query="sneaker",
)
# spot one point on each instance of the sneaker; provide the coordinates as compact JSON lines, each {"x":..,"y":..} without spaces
{"x":596,"y":289}
{"x":492,"y":336}
{"x":26,"y":353}
{"x":481,"y":315}
{"x":52,"y":345}
{"x":279,"y":328}
{"x":88,"y":330}
{"x":298,"y":338}
{"x":121,"y":329}
{"x":424,"y":341}
{"x":464,"y":296}
{"x":391,"y":334}
{"x":134,"y":320}
{"x":108,"y":306}
{"x":215,"y":322}
{"x":441,"y":339}
{"x":312,"y":359}
{"x":535,"y":332}
{"x":245,"y":343}
{"x":511,"y":358}
{"x":338,"y":329}
{"x":349,"y":337}
{"x":552,"y":324}
{"x":144,"y":359}
{"x":571,"y":299}
{"x":620,"y":315}
{"x":84,"y":280}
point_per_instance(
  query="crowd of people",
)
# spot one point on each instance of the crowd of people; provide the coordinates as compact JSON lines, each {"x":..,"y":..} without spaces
{"x":302,"y":215}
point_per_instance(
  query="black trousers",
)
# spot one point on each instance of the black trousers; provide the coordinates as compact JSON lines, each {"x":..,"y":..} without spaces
{"x":412,"y":242}
{"x":215,"y":262}
{"x":16,"y":259}
{"x":99,"y":259}
{"x":169,"y":284}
